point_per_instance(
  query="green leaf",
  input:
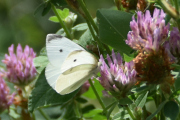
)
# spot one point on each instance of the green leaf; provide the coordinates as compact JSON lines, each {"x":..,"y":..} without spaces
{"x":177,"y":83}
{"x":171,"y":110}
{"x":39,"y":8}
{"x":127,"y":58}
{"x":54,"y":19}
{"x":109,"y":106}
{"x":81,"y":100}
{"x":61,"y":32}
{"x":176,"y":67}
{"x":90,"y":93}
{"x":113,"y":28}
{"x":125,"y":101}
{"x":44,"y":95}
{"x":99,"y":117}
{"x":174,"y":94}
{"x":110,"y":110}
{"x":80,"y":27}
{"x":63,"y":13}
{"x":143,"y":88}
{"x":87,"y":108}
{"x":40,"y":63}
{"x":141,"y":100}
{"x":59,"y":3}
{"x":121,"y":116}
{"x":167,"y":19}
{"x":46,"y":9}
{"x":85,"y":39}
{"x":43,"y":52}
{"x":95,"y":114}
{"x":68,"y":112}
{"x":158,"y":109}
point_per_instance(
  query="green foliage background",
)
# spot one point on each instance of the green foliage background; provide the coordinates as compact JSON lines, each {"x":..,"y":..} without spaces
{"x":18,"y":24}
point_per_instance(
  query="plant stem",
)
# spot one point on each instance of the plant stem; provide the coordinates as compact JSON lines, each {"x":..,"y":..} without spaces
{"x":90,"y":22}
{"x":43,"y":114}
{"x":176,"y":6}
{"x":94,"y":36}
{"x":97,"y":39}
{"x":84,"y":8}
{"x":33,"y":116}
{"x":98,"y":97}
{"x":24,"y":93}
{"x":76,"y":109}
{"x":130,"y":113}
{"x":168,"y":8}
{"x":61,"y":22}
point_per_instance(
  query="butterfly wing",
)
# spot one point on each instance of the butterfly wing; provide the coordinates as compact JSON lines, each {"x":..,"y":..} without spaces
{"x":78,"y":57}
{"x":58,"y":48}
{"x":52,"y":73}
{"x":72,"y":79}
{"x":67,"y":62}
{"x":78,"y":67}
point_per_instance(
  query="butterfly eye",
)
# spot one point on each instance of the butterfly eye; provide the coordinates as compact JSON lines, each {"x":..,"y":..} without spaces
{"x":74,"y":60}
{"x":60,"y":50}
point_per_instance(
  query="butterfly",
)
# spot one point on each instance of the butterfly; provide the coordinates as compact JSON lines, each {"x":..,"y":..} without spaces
{"x":70,"y":65}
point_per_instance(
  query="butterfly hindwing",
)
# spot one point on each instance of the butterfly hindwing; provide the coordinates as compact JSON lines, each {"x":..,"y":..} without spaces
{"x":78,"y":57}
{"x":71,"y":80}
{"x":52,"y":73}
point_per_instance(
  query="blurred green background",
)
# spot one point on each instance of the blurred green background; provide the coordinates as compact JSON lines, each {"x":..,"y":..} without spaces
{"x":18,"y":24}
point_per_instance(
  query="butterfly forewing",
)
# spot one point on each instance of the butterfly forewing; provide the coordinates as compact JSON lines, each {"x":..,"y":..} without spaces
{"x":58,"y":48}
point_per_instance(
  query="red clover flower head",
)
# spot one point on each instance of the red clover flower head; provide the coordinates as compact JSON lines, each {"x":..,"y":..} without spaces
{"x":173,"y":45}
{"x":148,"y":33}
{"x":5,"y":98}
{"x":117,"y":77}
{"x":148,"y":36}
{"x":20,"y":67}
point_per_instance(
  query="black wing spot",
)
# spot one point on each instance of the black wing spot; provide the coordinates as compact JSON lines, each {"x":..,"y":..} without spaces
{"x":75,"y":60}
{"x":60,"y":50}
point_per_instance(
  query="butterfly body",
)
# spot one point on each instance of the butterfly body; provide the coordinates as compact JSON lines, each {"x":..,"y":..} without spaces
{"x":70,"y":65}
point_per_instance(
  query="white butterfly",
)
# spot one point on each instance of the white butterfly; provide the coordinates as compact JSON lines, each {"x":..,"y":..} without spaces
{"x":70,"y":65}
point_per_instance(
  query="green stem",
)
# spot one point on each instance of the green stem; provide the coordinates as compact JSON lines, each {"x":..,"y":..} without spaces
{"x":168,"y":8}
{"x":34,"y":118}
{"x":61,"y":22}
{"x":130,"y":113}
{"x":144,"y":114}
{"x":43,"y":114}
{"x":84,"y":8}
{"x":176,"y":6}
{"x":76,"y":109}
{"x":25,"y":95}
{"x":94,"y":36}
{"x":90,"y":22}
{"x":98,"y":97}
{"x":177,"y":101}
{"x":97,"y":39}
